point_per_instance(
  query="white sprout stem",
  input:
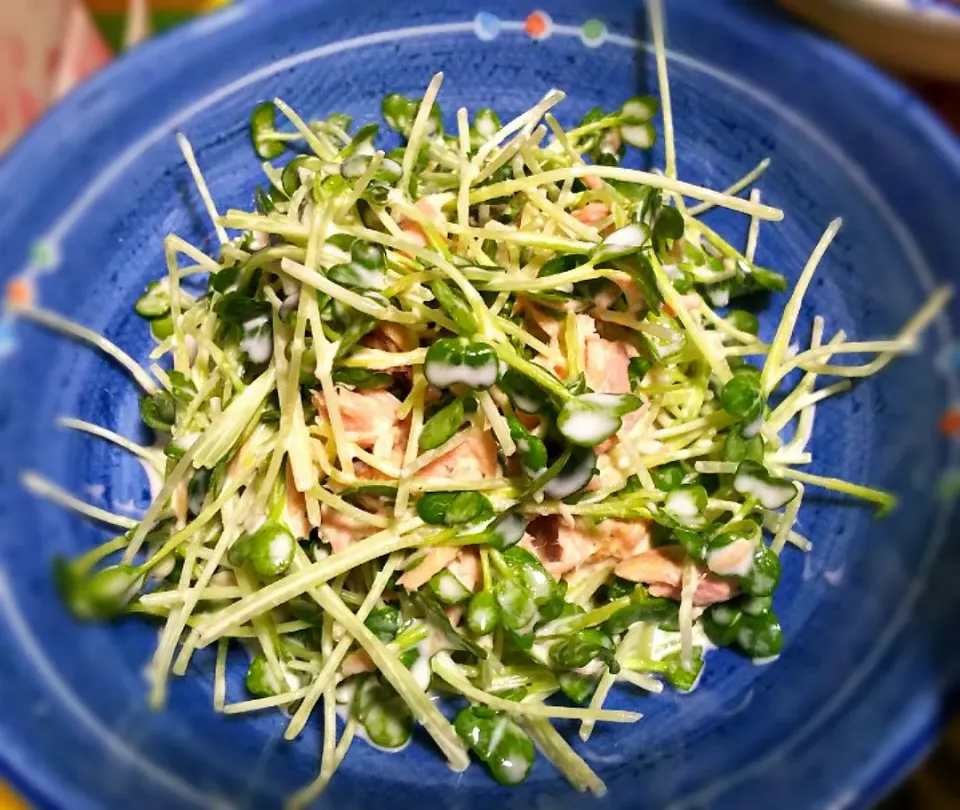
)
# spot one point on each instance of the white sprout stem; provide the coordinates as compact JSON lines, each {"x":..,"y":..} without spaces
{"x":171,"y":599}
{"x":169,"y":636}
{"x":641,"y":681}
{"x":596,"y":702}
{"x":187,"y":149}
{"x":418,"y":461}
{"x":555,"y":748}
{"x":332,"y":663}
{"x":467,"y":173}
{"x":787,"y":520}
{"x":583,"y":272}
{"x":504,"y":156}
{"x":706,"y":347}
{"x":325,"y":352}
{"x":716,"y":467}
{"x":304,"y":797}
{"x":228,"y":536}
{"x":349,"y":510}
{"x":567,"y":221}
{"x":778,"y":348}
{"x":908,"y":335}
{"x":45,"y":488}
{"x":660,"y":181}
{"x":270,"y":702}
{"x":419,"y":129}
{"x":725,"y":326}
{"x":181,"y":360}
{"x":497,"y":423}
{"x":378,"y":360}
{"x":883,"y":500}
{"x":152,"y":456}
{"x":220,"y":676}
{"x":526,"y":119}
{"x":334,"y":290}
{"x":657,"y":27}
{"x":813,"y":356}
{"x":265,"y":634}
{"x":445,"y":668}
{"x":410,"y":452}
{"x":238,"y":475}
{"x":776,"y":421}
{"x":321,"y":149}
{"x":284,"y":395}
{"x":772,"y":521}
{"x":753,"y":231}
{"x":293,"y":585}
{"x":352,"y":195}
{"x":422,"y":708}
{"x":734,"y":188}
{"x":60,"y":324}
{"x":454,"y":273}
{"x":691,"y":579}
{"x":812,"y":399}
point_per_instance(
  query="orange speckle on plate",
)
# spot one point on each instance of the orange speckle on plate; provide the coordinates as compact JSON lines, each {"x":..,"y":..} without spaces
{"x":20,"y":292}
{"x":536,"y":25}
{"x":950,"y":422}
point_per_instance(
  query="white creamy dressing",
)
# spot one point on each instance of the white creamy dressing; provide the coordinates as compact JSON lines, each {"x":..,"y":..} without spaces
{"x":540,"y":650}
{"x":524,"y":403}
{"x":191,"y":345}
{"x":290,"y":285}
{"x":344,"y":711}
{"x":612,"y":401}
{"x":511,"y":529}
{"x":719,"y":297}
{"x":289,"y":304}
{"x":592,"y":668}
{"x":638,"y":135}
{"x":257,"y":341}
{"x":763,"y":582}
{"x":667,"y":642}
{"x":444,"y":375}
{"x":752,"y":429}
{"x":672,"y":271}
{"x":369,"y":279}
{"x":449,"y":588}
{"x":515,"y":769}
{"x":498,"y":731}
{"x":628,"y":236}
{"x":734,"y":559}
{"x":590,"y":427}
{"x":164,"y":568}
{"x":771,"y":496}
{"x":681,"y":505}
{"x":486,"y":127}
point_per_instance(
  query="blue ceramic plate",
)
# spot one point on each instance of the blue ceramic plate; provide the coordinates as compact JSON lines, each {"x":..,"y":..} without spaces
{"x":87,"y":198}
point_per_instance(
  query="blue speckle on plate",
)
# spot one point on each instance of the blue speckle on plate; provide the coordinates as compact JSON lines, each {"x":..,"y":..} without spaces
{"x":856,"y":695}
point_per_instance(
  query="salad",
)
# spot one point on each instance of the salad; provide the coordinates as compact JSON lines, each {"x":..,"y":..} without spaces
{"x":479,"y":415}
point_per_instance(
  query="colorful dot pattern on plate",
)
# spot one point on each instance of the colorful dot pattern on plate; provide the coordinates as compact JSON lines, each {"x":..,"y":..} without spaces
{"x":538,"y":25}
{"x":487,"y":26}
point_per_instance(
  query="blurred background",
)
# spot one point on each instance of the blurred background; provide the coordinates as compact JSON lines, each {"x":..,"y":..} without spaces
{"x":47,"y":47}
